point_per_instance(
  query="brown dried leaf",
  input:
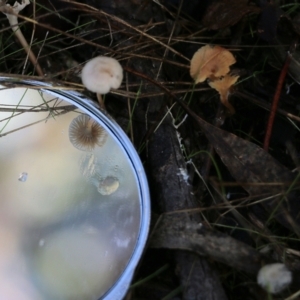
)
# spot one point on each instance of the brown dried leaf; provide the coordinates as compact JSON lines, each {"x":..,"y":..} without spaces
{"x":210,"y":62}
{"x":222,"y":86}
{"x":224,"y":13}
{"x":257,"y":171}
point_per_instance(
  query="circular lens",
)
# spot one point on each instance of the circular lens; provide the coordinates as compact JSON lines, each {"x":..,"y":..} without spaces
{"x":70,"y":197}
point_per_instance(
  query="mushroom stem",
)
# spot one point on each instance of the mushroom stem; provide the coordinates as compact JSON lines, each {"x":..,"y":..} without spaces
{"x":12,"y":16}
{"x":100,"y":75}
{"x":100,"y":100}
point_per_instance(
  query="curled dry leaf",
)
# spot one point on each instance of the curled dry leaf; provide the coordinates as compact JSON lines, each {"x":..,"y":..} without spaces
{"x":210,"y":62}
{"x":222,"y":86}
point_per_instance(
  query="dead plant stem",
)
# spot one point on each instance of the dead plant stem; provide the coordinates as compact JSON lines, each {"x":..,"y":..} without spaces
{"x":275,"y":102}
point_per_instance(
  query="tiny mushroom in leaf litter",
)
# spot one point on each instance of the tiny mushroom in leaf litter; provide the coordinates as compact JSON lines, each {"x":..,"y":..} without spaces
{"x":101,"y":74}
{"x":213,"y":62}
{"x":274,"y":278}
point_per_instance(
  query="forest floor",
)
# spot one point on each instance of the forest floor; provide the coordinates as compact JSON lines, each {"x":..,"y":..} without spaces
{"x":223,"y":176}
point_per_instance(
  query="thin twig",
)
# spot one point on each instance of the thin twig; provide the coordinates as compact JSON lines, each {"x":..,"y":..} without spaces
{"x":11,"y":13}
{"x":276,"y":98}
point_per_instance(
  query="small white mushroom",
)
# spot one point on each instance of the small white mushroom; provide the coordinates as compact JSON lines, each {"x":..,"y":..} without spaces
{"x":101,"y":74}
{"x":108,"y":185}
{"x":274,"y":278}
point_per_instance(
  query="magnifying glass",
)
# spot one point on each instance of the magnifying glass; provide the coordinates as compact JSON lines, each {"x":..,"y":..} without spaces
{"x":75,"y":205}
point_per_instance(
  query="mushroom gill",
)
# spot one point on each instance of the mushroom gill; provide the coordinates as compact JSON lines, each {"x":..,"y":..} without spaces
{"x":85,"y":133}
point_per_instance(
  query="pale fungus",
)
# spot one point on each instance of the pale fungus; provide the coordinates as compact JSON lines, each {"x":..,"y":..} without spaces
{"x":223,"y":86}
{"x":210,"y":62}
{"x":85,"y":133}
{"x":108,"y":185}
{"x":274,"y":277}
{"x":101,"y":74}
{"x":213,"y":63}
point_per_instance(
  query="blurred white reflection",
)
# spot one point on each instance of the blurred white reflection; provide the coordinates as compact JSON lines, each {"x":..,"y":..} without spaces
{"x":72,"y":217}
{"x":23,"y":176}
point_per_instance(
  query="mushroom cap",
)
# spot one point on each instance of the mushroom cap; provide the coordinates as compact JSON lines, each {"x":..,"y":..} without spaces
{"x":108,"y":185}
{"x":85,"y":133}
{"x":101,"y":74}
{"x":274,"y":277}
{"x":210,"y":62}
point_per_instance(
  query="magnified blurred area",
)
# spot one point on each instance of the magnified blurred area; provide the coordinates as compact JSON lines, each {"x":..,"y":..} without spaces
{"x":69,"y":207}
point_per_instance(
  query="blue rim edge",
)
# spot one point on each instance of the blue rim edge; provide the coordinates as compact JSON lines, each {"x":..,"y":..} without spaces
{"x":119,"y":289}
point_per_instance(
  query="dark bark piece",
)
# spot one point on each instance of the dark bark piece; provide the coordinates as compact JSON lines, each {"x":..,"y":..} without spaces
{"x":174,"y":232}
{"x":256,"y":171}
{"x":248,"y":163}
{"x":224,"y":13}
{"x":172,"y":192}
{"x":168,"y":169}
{"x":253,"y":168}
{"x":197,"y":277}
{"x":268,"y":20}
